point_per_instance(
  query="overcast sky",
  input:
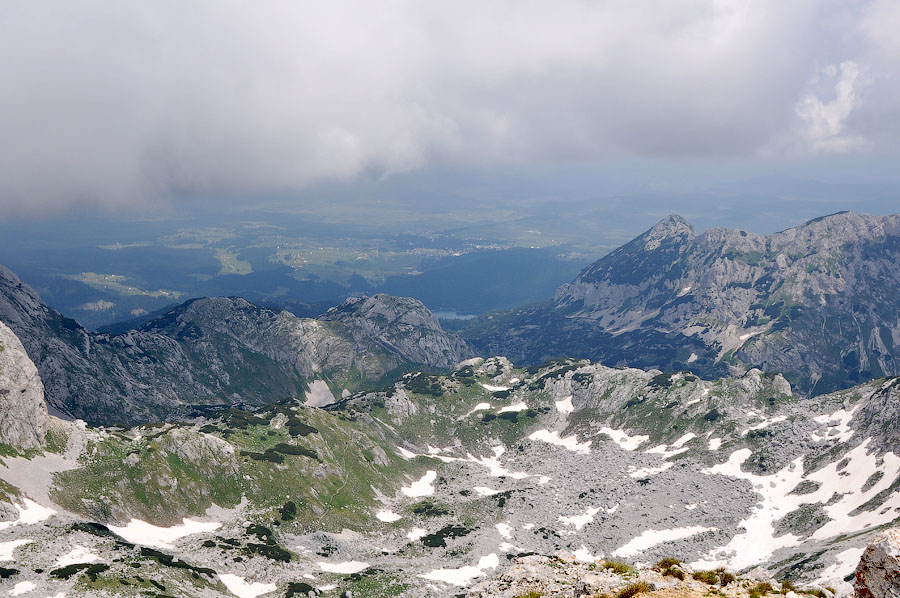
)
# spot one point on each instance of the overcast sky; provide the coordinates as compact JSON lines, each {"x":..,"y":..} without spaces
{"x":124,"y":103}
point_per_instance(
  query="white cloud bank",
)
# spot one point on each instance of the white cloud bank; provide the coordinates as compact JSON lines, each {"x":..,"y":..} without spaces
{"x":114,"y":102}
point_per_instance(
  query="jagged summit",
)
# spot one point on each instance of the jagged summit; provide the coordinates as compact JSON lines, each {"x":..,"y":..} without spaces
{"x":216,"y":349}
{"x":817,"y":302}
{"x":672,"y":225}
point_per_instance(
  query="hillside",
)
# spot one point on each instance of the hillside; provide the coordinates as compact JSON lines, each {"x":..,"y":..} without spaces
{"x":818,"y":303}
{"x":434,"y":484}
{"x":217,"y":350}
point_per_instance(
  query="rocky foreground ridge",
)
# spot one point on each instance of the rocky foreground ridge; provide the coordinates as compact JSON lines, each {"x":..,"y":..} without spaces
{"x":817,"y":303}
{"x":439,"y":483}
{"x":217,"y":351}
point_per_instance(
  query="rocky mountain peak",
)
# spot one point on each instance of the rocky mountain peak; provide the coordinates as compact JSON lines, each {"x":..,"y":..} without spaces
{"x":383,"y":307}
{"x":402,"y":324}
{"x":672,"y":226}
{"x":23,"y":412}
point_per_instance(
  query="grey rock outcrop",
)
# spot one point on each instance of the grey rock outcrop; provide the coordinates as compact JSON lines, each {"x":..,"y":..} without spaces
{"x":23,"y":413}
{"x":878,"y":572}
{"x":402,"y":325}
{"x":818,"y":303}
{"x":220,"y":350}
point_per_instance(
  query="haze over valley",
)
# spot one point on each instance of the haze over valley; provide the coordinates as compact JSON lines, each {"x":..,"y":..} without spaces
{"x":503,"y":299}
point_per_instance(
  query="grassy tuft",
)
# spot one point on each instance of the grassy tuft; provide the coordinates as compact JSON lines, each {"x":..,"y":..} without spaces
{"x":641,"y":587}
{"x":667,"y":563}
{"x":707,"y":577}
{"x":618,"y":567}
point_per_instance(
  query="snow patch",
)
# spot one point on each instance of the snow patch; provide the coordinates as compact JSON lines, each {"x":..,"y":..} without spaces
{"x":833,"y":575}
{"x":79,"y":554}
{"x":504,"y":529}
{"x":715,"y":444}
{"x":388,"y":516}
{"x":644,"y":472}
{"x":758,"y":542}
{"x":684,"y":439}
{"x":406,"y":454}
{"x":484,"y":491}
{"x":479,"y":407}
{"x":837,"y":425}
{"x":239,"y":586}
{"x":347,"y":567}
{"x":491,"y":463}
{"x":623,"y":439}
{"x":421,"y":487}
{"x":7,"y":548}
{"x":147,"y":534}
{"x":565,"y":406}
{"x":651,"y":537}
{"x":493,"y":388}
{"x":579,"y":521}
{"x":569,"y":442}
{"x":29,"y":513}
{"x":764,"y":424}
{"x":23,"y":587}
{"x":583,"y":555}
{"x":521,"y":406}
{"x":416,"y":533}
{"x":319,"y":394}
{"x":464,"y":575}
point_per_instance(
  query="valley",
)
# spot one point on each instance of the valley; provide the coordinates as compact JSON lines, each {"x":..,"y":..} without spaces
{"x":220,"y":448}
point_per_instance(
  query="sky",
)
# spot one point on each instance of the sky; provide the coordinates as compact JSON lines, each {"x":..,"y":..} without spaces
{"x":124,"y":105}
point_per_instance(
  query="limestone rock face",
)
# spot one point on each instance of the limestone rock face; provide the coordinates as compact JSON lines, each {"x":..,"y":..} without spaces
{"x":817,"y":303}
{"x":217,"y":350}
{"x":23,"y":412}
{"x":402,"y":325}
{"x":878,"y":572}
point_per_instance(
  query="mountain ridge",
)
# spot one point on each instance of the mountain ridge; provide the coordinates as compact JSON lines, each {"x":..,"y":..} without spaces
{"x":817,"y":302}
{"x":211,"y":350}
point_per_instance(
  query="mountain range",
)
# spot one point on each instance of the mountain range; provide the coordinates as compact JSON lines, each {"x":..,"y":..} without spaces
{"x":219,"y":350}
{"x":228,"y":449}
{"x":818,"y":303}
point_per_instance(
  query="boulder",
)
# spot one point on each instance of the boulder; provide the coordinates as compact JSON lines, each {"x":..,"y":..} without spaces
{"x":878,"y":572}
{"x":23,"y":412}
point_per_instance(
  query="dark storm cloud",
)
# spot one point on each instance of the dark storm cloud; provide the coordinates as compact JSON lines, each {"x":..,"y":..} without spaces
{"x":122,"y":102}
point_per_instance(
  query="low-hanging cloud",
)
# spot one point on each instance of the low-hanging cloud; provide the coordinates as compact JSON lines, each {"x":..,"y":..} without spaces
{"x":118,"y":102}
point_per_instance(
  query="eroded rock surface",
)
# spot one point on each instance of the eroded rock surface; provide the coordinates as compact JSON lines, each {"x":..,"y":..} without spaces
{"x":878,"y":572}
{"x":23,"y":413}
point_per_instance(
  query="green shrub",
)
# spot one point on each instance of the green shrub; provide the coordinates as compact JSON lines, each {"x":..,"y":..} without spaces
{"x":618,"y":567}
{"x":707,"y":577}
{"x":667,"y":563}
{"x":634,"y":589}
{"x":674,"y":572}
{"x":760,"y":589}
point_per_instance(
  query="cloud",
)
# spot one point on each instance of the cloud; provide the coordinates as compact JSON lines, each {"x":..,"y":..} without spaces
{"x":117,"y":103}
{"x":826,"y":122}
